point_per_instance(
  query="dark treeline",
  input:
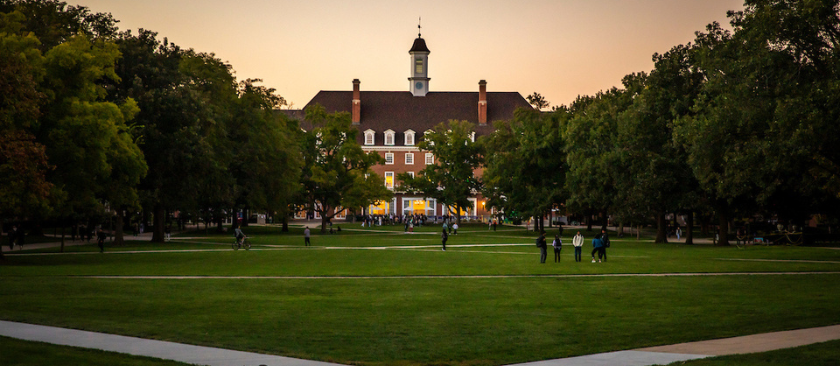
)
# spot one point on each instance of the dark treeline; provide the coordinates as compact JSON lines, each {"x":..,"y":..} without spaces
{"x":734,"y":124}
{"x":98,"y":125}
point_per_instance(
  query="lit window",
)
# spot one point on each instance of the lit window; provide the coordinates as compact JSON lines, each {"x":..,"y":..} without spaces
{"x":369,"y":137}
{"x":389,"y":138}
{"x":389,"y":179}
{"x":389,"y":158}
{"x":418,"y":65}
{"x":430,"y":158}
{"x":409,"y":158}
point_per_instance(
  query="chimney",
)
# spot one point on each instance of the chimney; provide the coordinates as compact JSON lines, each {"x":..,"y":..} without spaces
{"x":357,"y":103}
{"x":482,"y":102}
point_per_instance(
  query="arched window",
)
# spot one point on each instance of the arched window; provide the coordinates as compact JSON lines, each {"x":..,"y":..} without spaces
{"x":409,"y":138}
{"x":369,"y":137}
{"x":389,"y":138}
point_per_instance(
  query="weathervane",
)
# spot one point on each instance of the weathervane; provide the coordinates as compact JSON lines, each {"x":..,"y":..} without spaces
{"x":418,"y":27}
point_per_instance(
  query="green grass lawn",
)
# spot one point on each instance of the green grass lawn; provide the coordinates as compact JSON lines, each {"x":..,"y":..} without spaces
{"x":413,"y":304}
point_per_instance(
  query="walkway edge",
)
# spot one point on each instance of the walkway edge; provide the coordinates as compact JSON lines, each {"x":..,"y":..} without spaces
{"x":196,"y":355}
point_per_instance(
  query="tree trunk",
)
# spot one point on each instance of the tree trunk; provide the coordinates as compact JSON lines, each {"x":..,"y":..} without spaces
{"x":118,"y":230}
{"x":458,"y":215}
{"x":285,"y":228}
{"x":638,"y":231}
{"x":605,"y":223}
{"x":704,"y":225}
{"x":723,"y":228}
{"x":62,"y":238}
{"x":588,"y":221}
{"x":661,"y":235}
{"x":160,"y":220}
{"x":246,"y":216}
{"x":324,"y":220}
{"x":689,"y":228}
{"x":620,"y":229}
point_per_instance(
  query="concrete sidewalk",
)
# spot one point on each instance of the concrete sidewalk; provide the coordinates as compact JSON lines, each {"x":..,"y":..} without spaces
{"x":198,"y":355}
{"x":195,"y":355}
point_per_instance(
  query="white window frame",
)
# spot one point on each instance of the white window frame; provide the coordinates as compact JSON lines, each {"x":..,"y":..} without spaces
{"x":389,"y":158}
{"x":391,"y":174}
{"x":409,"y":158}
{"x":370,"y":137}
{"x":409,"y":138}
{"x":411,"y":174}
{"x":472,"y":137}
{"x":389,"y":138}
{"x":430,"y":159}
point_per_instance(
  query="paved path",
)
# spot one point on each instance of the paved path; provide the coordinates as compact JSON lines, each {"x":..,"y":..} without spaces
{"x":195,"y":355}
{"x":198,"y":355}
{"x":664,"y":355}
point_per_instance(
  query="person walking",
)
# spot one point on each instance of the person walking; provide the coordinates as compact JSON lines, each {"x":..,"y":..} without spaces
{"x":100,"y":239}
{"x":494,"y":224}
{"x":306,"y":236}
{"x":543,"y":247}
{"x":12,"y":237}
{"x":605,"y":240}
{"x":596,"y":248}
{"x":455,"y":228}
{"x":577,"y":241}
{"x":679,"y":232}
{"x":557,"y":247}
{"x":443,"y":237}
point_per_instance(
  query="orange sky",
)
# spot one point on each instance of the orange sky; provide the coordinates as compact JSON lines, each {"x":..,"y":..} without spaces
{"x":561,"y":48}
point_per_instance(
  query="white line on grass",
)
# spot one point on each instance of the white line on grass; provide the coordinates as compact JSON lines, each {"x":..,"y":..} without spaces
{"x":693,"y":274}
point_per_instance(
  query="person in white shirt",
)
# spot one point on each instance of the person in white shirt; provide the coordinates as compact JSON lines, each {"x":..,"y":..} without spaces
{"x":577,"y":241}
{"x":455,"y":228}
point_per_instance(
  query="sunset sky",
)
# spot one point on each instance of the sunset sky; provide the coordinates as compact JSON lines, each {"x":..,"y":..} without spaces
{"x":561,"y":48}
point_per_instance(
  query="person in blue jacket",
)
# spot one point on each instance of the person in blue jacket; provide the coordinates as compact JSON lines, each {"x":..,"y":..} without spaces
{"x":597,"y":243}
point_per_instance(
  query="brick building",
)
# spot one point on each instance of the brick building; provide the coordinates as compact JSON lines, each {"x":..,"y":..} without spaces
{"x":393,"y":122}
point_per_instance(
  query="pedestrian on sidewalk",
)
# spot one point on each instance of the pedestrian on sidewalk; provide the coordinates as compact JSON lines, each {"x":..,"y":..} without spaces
{"x":577,"y":241}
{"x":557,"y":247}
{"x":543,"y":247}
{"x":443,"y":237}
{"x":306,"y":236}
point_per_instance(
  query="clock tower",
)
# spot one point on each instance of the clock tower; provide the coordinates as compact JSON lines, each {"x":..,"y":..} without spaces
{"x":419,"y":80}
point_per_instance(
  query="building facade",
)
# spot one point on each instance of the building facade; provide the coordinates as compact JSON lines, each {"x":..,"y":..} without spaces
{"x":392,"y":123}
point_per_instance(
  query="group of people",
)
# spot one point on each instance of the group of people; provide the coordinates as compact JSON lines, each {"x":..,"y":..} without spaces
{"x":599,"y":246}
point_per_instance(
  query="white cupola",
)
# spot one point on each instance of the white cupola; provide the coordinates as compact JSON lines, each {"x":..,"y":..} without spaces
{"x":419,"y":80}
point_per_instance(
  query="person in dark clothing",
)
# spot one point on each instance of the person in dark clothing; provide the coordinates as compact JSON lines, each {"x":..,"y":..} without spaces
{"x":543,"y":247}
{"x":100,"y":240}
{"x":557,"y":247}
{"x":443,"y":237}
{"x":606,"y":241}
{"x":12,"y":237}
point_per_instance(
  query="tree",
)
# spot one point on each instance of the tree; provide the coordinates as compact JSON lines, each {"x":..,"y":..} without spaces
{"x":452,"y":179}
{"x":654,"y":177}
{"x":336,"y":168}
{"x":266,"y":160}
{"x":538,"y":101}
{"x":526,"y":164}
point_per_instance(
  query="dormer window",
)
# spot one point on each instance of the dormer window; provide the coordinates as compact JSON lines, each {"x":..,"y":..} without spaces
{"x":389,"y":138}
{"x":369,"y":137}
{"x":409,"y":138}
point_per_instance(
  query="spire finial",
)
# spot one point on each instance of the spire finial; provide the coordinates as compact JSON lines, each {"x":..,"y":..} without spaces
{"x":418,"y":27}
